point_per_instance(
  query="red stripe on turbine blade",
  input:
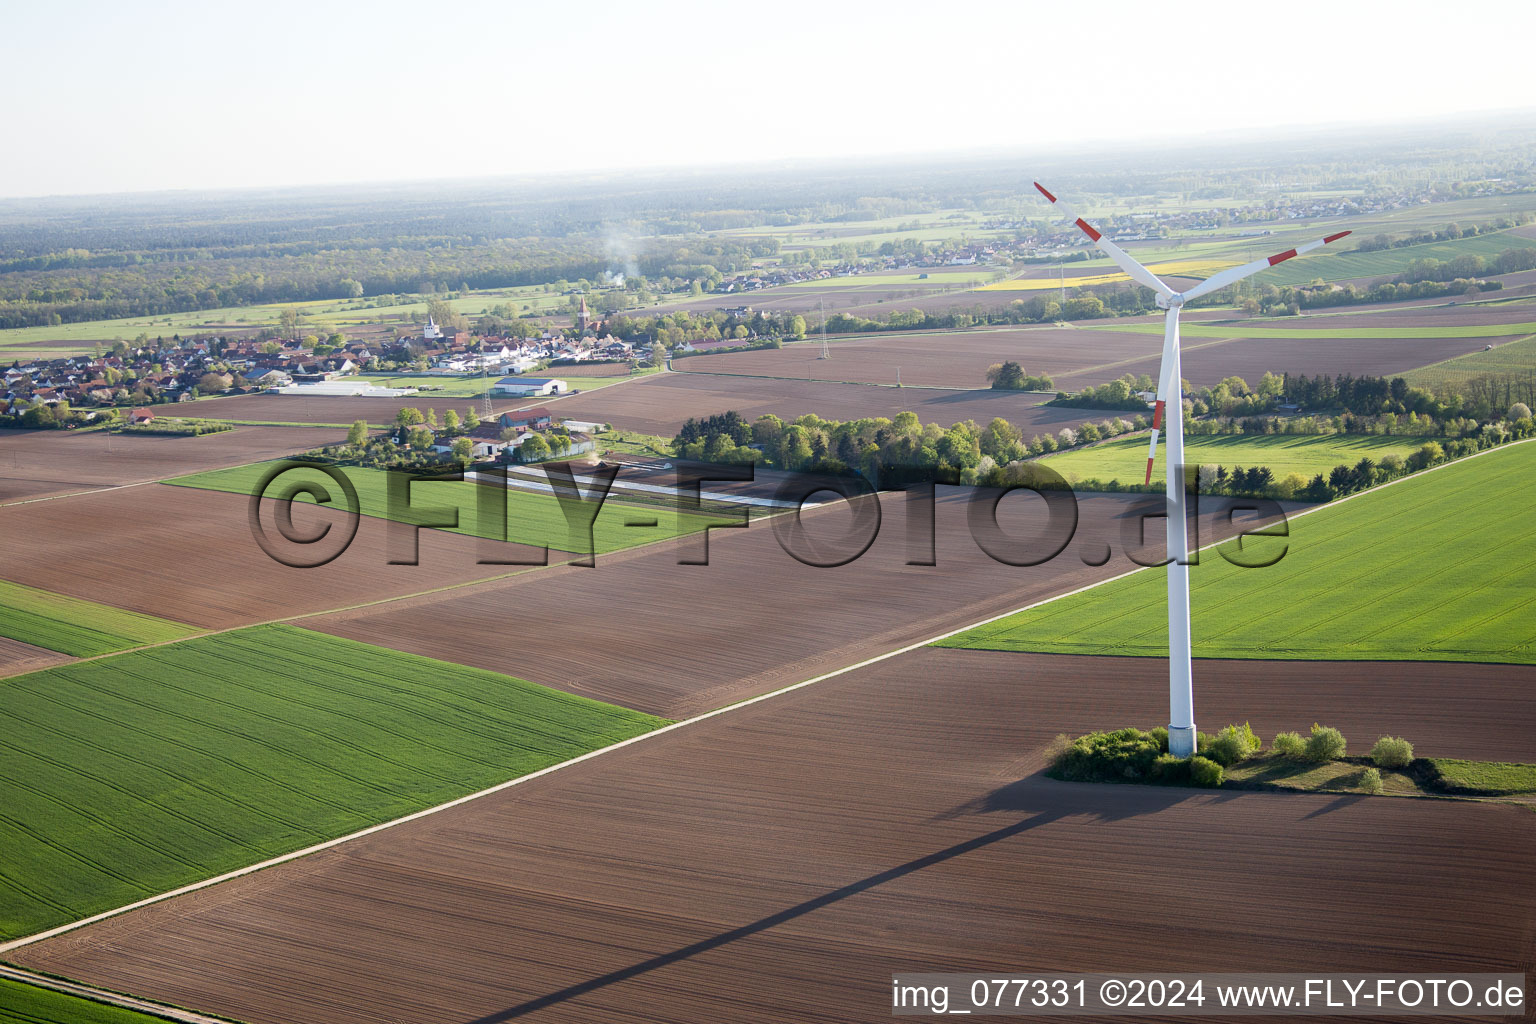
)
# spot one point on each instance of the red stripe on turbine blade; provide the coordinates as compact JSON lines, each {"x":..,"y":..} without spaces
{"x":1149,"y":470}
{"x":1335,"y":238}
{"x":1088,"y":229}
{"x":1157,"y":415}
{"x":1281,"y":257}
{"x":1044,"y":192}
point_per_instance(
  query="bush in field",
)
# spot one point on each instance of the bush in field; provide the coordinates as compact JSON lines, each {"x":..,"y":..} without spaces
{"x":1392,"y":752}
{"x":1370,"y":781}
{"x":1167,"y":768}
{"x":1325,"y":744}
{"x":1105,"y":756}
{"x":1290,"y":744}
{"x":1231,"y":745}
{"x":1160,"y":737}
{"x":1205,"y":772}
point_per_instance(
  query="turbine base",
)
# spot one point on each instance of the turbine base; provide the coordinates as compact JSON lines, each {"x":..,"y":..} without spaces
{"x":1181,"y":740}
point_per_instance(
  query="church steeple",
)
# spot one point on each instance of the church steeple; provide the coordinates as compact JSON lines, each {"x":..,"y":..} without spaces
{"x":582,"y":317}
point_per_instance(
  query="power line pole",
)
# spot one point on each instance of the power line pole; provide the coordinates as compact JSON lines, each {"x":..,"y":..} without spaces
{"x":824,"y":353}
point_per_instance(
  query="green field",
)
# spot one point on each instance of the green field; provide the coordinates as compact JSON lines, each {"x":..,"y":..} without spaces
{"x":1439,"y":567}
{"x":1339,"y":266}
{"x":1125,"y":458}
{"x":630,"y":442}
{"x":142,"y":772}
{"x":1510,"y":357}
{"x":474,"y":385}
{"x":532,"y":518}
{"x":1493,"y":777}
{"x":331,"y":314}
{"x":79,"y":628}
{"x":28,"y":1004}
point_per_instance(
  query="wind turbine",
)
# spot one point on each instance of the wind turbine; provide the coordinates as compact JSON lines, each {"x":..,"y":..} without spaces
{"x":1181,"y":698}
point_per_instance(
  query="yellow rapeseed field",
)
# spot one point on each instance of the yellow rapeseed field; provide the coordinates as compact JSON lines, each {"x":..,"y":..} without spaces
{"x":1173,"y":268}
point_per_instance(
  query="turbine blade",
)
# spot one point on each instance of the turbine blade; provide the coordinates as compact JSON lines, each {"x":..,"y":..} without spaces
{"x":1219,"y":281}
{"x":1138,"y":273}
{"x":1152,"y":453}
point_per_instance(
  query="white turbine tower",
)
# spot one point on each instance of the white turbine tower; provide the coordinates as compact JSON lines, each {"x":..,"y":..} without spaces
{"x":1181,"y":699}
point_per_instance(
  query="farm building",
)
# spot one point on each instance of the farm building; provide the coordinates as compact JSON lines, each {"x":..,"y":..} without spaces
{"x":266,"y":376}
{"x":486,"y":442}
{"x":537,"y":418}
{"x":525,"y":386}
{"x":141,"y":416}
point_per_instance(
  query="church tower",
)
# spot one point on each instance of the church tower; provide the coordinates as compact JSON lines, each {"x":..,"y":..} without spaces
{"x":582,"y":317}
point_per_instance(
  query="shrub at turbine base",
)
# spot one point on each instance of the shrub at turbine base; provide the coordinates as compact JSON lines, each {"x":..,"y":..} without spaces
{"x":1326,"y":744}
{"x":1370,"y":781}
{"x":1392,"y":752}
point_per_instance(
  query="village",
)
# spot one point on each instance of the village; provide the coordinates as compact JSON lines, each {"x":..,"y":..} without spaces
{"x":185,"y":369}
{"x":130,"y":386}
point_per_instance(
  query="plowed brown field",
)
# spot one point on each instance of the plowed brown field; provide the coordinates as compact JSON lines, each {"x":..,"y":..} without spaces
{"x":955,"y":359}
{"x":188,"y":555}
{"x":1078,"y":358}
{"x":659,"y":405}
{"x":1207,"y":362}
{"x":1431,"y":313}
{"x":275,"y":408}
{"x":38,"y":463}
{"x":680,"y":639}
{"x":781,"y":861}
{"x":16,"y":656}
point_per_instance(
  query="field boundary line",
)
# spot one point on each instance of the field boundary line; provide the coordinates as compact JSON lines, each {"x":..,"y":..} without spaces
{"x":361,"y":605}
{"x":101,"y":995}
{"x":76,"y":494}
{"x":6,"y":947}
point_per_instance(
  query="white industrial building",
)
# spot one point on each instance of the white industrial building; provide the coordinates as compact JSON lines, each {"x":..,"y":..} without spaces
{"x":334,"y":388}
{"x":524,"y":387}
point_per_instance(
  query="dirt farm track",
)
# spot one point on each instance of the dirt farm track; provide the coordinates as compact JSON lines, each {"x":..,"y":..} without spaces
{"x":780,"y":861}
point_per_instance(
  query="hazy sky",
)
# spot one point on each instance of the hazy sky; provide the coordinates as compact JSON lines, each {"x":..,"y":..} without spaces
{"x":111,"y":96}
